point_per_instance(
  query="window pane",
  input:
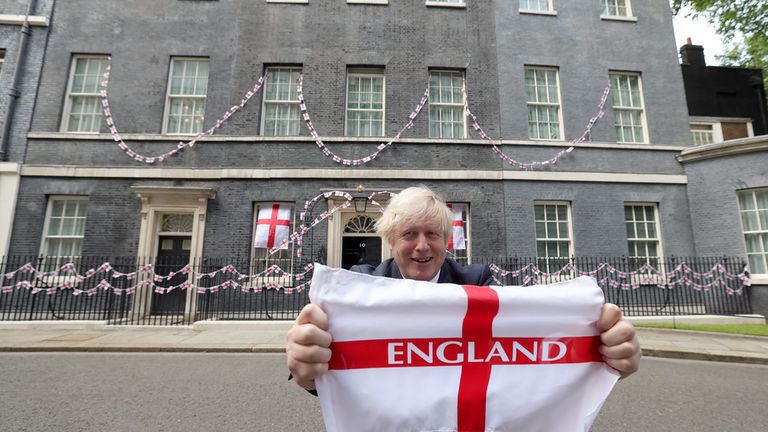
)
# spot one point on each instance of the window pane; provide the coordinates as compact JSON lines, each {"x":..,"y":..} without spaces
{"x":651,"y":230}
{"x":281,"y":105}
{"x":762,"y":199}
{"x":446,"y":105}
{"x":188,"y":78}
{"x":749,"y":219}
{"x":757,"y":264}
{"x":66,"y":227}
{"x":365,"y":107}
{"x":552,"y":234}
{"x":541,"y":89}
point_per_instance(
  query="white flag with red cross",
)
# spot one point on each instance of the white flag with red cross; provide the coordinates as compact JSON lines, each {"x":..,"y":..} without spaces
{"x":416,"y":356}
{"x":273,"y":226}
{"x":457,"y":241}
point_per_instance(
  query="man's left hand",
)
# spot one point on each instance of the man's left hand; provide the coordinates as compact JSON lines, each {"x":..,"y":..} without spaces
{"x":619,"y":345}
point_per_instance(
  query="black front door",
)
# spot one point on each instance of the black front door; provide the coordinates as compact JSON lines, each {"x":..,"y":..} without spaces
{"x":172,"y":256}
{"x":360,"y":250}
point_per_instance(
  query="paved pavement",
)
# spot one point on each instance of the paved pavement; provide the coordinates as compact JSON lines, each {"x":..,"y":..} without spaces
{"x":234,"y":336}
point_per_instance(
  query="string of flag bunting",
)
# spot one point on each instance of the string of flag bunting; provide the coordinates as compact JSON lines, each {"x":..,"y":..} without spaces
{"x":316,"y":136}
{"x":71,"y":279}
{"x":181,"y":145}
{"x":681,"y":275}
{"x":535,"y":164}
{"x":364,"y":160}
{"x":305,"y":226}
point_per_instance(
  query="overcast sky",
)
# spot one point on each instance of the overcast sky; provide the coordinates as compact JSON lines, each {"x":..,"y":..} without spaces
{"x":701,"y":33}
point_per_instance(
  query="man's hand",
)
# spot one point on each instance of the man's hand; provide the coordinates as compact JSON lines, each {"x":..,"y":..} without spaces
{"x":307,"y":349}
{"x":619,"y":345}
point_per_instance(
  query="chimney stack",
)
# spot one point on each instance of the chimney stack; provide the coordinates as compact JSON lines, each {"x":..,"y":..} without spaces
{"x":692,"y":55}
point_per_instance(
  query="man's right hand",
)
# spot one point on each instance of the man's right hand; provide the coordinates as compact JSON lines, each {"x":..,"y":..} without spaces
{"x":307,"y":348}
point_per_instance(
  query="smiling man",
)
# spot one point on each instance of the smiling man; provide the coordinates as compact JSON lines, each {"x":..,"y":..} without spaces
{"x":417,"y":226}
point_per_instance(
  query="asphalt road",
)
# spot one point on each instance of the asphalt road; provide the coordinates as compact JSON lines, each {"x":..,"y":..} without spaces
{"x":249,"y":392}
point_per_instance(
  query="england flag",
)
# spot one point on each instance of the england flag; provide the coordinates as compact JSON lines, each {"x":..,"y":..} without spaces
{"x":273,"y":226}
{"x":457,"y":241}
{"x":417,"y":356}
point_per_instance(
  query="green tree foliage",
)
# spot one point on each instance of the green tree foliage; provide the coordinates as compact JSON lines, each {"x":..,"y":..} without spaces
{"x":743,"y":25}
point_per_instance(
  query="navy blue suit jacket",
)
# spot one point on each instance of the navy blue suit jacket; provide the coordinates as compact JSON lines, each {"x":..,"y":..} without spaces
{"x":450,"y":272}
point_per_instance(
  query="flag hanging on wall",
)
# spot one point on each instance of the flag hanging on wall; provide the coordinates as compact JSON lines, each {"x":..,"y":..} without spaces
{"x":273,"y":226}
{"x":457,"y":240}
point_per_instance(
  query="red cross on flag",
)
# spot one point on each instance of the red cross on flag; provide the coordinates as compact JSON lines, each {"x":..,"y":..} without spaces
{"x":457,"y":241}
{"x":273,"y":226}
{"x":411,"y":356}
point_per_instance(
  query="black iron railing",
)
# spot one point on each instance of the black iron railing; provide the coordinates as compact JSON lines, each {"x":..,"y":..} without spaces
{"x":175,"y":291}
{"x":661,"y":287}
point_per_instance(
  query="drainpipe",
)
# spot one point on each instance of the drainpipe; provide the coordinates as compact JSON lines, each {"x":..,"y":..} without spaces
{"x":13,"y":91}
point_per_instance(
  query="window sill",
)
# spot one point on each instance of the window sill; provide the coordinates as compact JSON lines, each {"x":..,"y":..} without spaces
{"x":287,"y":1}
{"x":132,"y":137}
{"x":34,"y":20}
{"x":631,"y":143}
{"x":534,"y":12}
{"x":761,"y":279}
{"x":373,"y":2}
{"x":446,"y":5}
{"x":618,"y":18}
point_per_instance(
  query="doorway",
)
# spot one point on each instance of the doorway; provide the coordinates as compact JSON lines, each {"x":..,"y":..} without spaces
{"x":359,"y":242}
{"x":172,"y":256}
{"x":360,"y":250}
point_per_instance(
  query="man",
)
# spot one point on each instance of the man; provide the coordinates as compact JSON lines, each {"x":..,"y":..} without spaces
{"x":417,"y":227}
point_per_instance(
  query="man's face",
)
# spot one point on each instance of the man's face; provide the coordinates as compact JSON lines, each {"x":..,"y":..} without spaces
{"x":419,"y":249}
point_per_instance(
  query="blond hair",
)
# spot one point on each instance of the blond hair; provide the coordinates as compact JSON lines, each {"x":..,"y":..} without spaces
{"x":411,"y":205}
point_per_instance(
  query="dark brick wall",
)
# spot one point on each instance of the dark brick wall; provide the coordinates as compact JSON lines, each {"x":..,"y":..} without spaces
{"x":712,"y":192}
{"x":498,"y":211}
{"x":758,"y":298}
{"x":488,"y":38}
{"x":585,"y":48}
{"x":597,"y":215}
{"x":29,"y":73}
{"x":241,"y":37}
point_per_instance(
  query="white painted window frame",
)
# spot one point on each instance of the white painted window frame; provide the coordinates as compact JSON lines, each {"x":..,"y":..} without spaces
{"x":373,"y":2}
{"x":69,"y":95}
{"x":642,"y":109}
{"x":569,"y":211}
{"x":367,"y":72}
{"x":445,"y":3}
{"x":715,"y":133}
{"x":630,"y":16}
{"x":265,"y":102}
{"x":658,"y":239}
{"x":47,"y":223}
{"x":549,"y":11}
{"x":717,"y":125}
{"x":168,"y":96}
{"x":454,"y":105}
{"x":760,"y":230}
{"x":288,"y":1}
{"x":559,"y":105}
